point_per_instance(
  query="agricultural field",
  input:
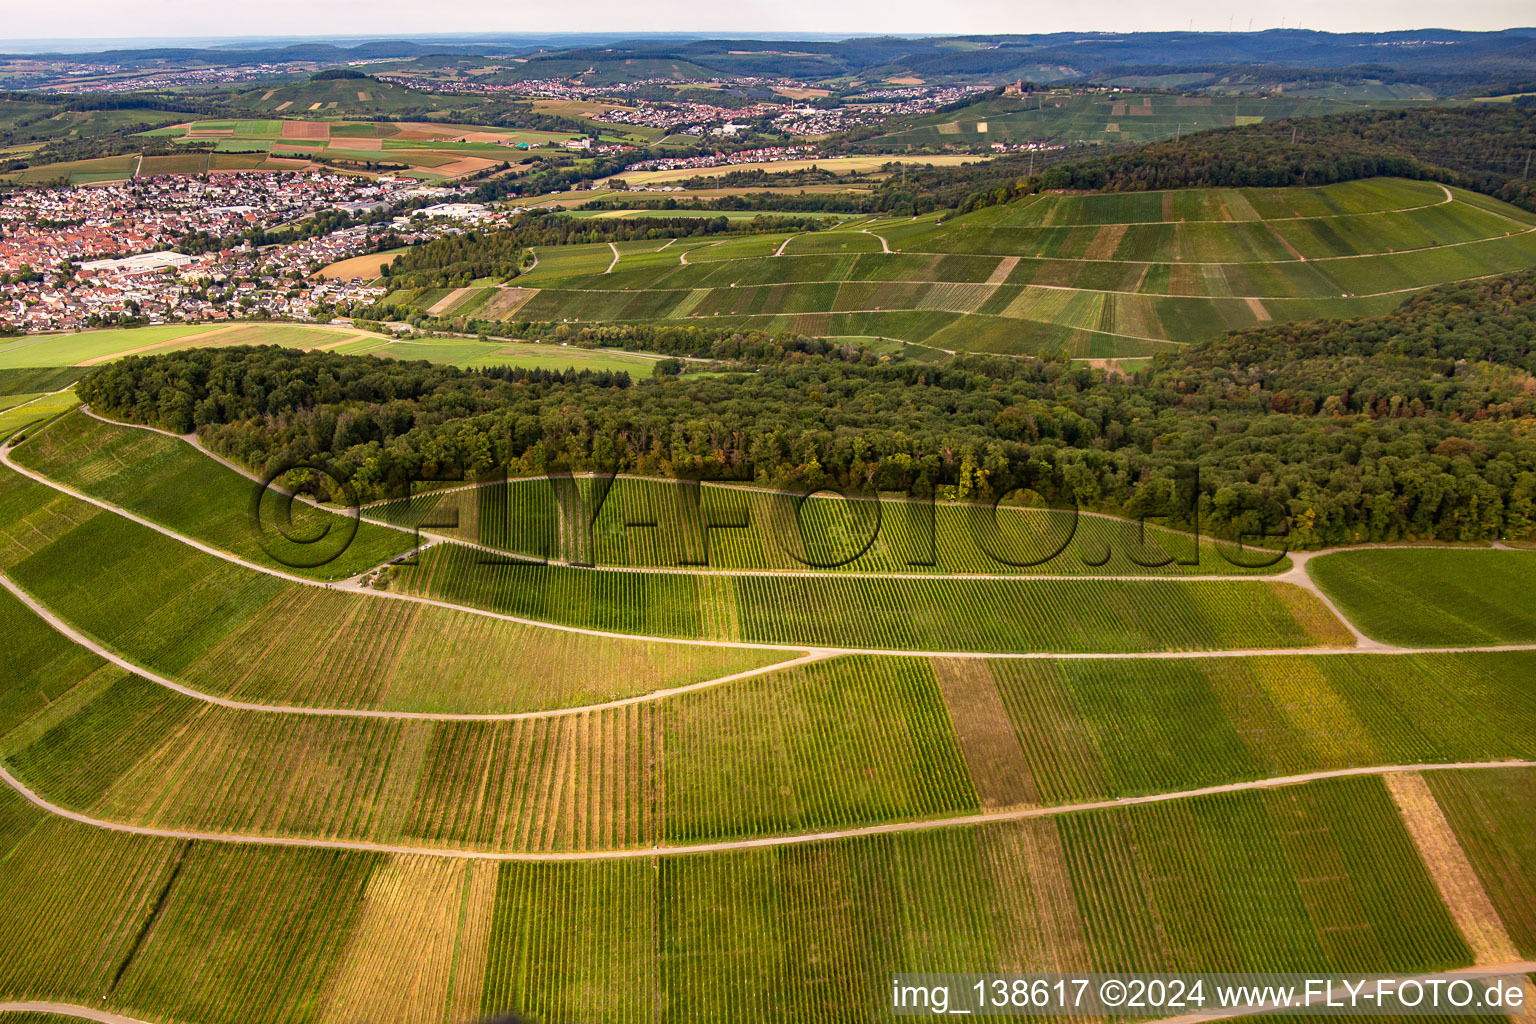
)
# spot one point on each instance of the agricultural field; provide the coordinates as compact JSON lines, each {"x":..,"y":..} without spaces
{"x":91,"y":348}
{"x":183,"y":930}
{"x":1097,"y":118}
{"x":630,"y":522}
{"x":523,"y":739}
{"x":233,"y":631}
{"x":308,"y":135}
{"x":168,"y":481}
{"x":1434,"y":597}
{"x":1101,"y":276}
{"x":986,"y":614}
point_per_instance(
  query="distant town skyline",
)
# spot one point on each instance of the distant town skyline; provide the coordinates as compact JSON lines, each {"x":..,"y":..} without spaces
{"x":100,"y":22}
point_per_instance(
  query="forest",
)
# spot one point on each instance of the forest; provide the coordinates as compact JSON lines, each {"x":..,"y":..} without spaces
{"x":455,"y":260}
{"x":1484,"y":148}
{"x":1409,"y":425}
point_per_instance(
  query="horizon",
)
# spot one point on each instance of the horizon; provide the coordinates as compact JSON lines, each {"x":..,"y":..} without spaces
{"x":34,"y":32}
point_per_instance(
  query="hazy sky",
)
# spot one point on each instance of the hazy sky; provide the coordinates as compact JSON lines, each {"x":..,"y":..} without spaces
{"x":98,"y":19}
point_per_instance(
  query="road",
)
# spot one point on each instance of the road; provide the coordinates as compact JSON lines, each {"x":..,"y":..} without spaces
{"x":765,"y":842}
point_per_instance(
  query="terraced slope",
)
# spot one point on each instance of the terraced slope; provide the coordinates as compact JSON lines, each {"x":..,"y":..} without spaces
{"x":1095,"y":276}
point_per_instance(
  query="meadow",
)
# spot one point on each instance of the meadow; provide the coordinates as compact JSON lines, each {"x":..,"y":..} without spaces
{"x":1433,"y":597}
{"x":1099,"y":276}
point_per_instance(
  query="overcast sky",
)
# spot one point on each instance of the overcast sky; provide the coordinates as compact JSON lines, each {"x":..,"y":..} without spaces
{"x":100,"y":19}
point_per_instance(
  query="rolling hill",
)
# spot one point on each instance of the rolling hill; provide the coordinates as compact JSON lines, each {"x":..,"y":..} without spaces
{"x":1100,"y":276}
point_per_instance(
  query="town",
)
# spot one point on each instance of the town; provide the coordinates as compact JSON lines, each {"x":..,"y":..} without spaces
{"x":184,"y":249}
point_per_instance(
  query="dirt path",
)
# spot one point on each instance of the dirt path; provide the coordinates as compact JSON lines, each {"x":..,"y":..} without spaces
{"x":798,"y":839}
{"x":1451,"y":871}
{"x":615,"y":261}
{"x":780,"y":250}
{"x":98,"y":360}
{"x":885,"y":246}
{"x":69,"y":1010}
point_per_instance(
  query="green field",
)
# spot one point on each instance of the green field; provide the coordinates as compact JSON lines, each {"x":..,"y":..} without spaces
{"x":169,"y":482}
{"x":35,"y":411}
{"x":1422,"y":597}
{"x":986,"y":614}
{"x":234,"y":632}
{"x":169,"y":930}
{"x":1123,"y":118}
{"x":1098,"y":276}
{"x":852,"y":741}
{"x":60,"y":350}
{"x":647,"y":522}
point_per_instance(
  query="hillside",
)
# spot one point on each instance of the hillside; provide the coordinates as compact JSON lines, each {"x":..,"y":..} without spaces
{"x":1093,"y":276}
{"x":1124,"y":118}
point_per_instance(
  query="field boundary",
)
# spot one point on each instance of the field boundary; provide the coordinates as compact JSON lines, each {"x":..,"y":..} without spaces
{"x":796,"y":839}
{"x":1293,"y":577}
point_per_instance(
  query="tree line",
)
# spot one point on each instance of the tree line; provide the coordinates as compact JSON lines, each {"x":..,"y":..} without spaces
{"x":1411,"y":425}
{"x":1481,"y":148}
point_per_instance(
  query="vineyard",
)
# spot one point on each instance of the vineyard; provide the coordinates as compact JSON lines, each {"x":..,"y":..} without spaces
{"x":171,"y":483}
{"x":839,"y":743}
{"x":1239,"y":882}
{"x":1094,"y":276}
{"x":1434,"y":597}
{"x":1088,"y":615}
{"x":235,"y":632}
{"x":627,"y":522}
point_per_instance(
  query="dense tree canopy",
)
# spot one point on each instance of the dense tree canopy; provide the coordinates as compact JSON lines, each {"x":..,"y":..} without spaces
{"x":1483,"y":148}
{"x":1414,"y":424}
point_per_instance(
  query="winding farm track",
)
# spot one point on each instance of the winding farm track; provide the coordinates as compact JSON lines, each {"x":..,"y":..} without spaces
{"x":796,"y":839}
{"x":615,"y":258}
{"x":69,"y":1010}
{"x":885,"y":247}
{"x":1297,"y":576}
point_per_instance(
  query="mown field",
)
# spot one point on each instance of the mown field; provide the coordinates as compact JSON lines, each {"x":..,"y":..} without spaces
{"x":1434,"y":597}
{"x":1322,"y":876}
{"x":93,"y":347}
{"x":1097,"y":276}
